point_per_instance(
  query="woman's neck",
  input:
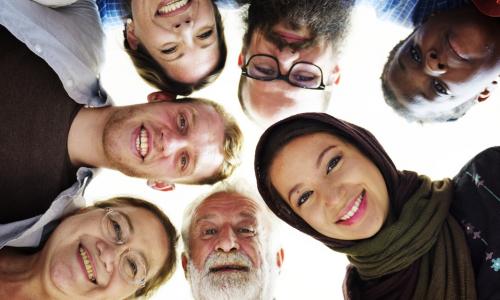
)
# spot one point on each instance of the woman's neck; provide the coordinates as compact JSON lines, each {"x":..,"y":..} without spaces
{"x":19,"y":275}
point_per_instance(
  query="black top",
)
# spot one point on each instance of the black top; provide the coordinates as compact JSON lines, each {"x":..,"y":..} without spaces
{"x":477,"y":207}
{"x":35,"y":116}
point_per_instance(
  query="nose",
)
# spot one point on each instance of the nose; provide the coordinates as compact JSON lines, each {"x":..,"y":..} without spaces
{"x":286,"y":58}
{"x":185,"y":22}
{"x":435,"y":64}
{"x":334,"y":196}
{"x":172,"y":144}
{"x":227,"y":240}
{"x":109,"y":254}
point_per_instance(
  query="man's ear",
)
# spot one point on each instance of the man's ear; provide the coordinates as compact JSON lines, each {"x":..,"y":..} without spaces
{"x":336,"y":75}
{"x":161,"y":96}
{"x":184,"y":262}
{"x":485,"y":94}
{"x":160,"y":185}
{"x":241,"y":59}
{"x":280,"y":256}
{"x":131,"y":38}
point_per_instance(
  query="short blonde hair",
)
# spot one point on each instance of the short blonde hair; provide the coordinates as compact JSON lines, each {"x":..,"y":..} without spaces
{"x":231,"y":146}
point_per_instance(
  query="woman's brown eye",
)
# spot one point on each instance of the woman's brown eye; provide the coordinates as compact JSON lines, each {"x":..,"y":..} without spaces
{"x":169,"y":50}
{"x":205,"y":34}
{"x":304,"y":197}
{"x":332,"y":163}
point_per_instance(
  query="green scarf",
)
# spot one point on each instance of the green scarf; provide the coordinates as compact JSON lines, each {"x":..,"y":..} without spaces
{"x":424,"y":233}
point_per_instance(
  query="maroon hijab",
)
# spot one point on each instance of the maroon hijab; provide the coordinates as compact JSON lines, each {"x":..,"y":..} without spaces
{"x":400,"y":186}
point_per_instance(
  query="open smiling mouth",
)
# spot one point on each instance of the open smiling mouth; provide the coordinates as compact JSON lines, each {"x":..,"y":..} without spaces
{"x":168,"y":8}
{"x":354,"y":209}
{"x":141,"y":142}
{"x":88,"y":265}
{"x":227,"y":268}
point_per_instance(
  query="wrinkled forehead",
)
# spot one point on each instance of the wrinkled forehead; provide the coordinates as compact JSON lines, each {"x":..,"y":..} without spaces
{"x":227,"y":207}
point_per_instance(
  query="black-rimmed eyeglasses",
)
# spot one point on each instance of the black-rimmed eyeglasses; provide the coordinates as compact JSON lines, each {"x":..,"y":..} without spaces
{"x":301,"y":74}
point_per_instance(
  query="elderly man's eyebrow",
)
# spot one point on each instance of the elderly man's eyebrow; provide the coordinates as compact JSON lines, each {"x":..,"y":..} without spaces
{"x":204,"y":218}
{"x":248,"y":215}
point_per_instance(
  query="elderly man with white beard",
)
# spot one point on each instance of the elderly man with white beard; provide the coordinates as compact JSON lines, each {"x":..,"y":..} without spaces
{"x":230,"y":249}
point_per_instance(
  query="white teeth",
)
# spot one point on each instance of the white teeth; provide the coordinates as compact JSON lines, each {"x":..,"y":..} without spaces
{"x":172,"y":6}
{"x":141,"y":142}
{"x":87,"y":264}
{"x":354,"y":208}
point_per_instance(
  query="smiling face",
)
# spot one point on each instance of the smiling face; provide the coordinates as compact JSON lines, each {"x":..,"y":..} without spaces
{"x":447,"y":61}
{"x":269,"y":101}
{"x":332,"y":186}
{"x":175,"y":142}
{"x":179,"y":34}
{"x":81,"y":261}
{"x":226,"y":248}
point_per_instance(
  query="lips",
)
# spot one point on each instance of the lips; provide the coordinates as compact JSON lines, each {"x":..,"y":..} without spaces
{"x":87,"y":264}
{"x":229,"y":268}
{"x":172,"y":8}
{"x":354,"y":211}
{"x":142,"y":142}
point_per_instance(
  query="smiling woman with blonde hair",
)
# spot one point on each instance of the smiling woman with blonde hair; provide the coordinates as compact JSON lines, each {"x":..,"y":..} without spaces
{"x":122,"y":248}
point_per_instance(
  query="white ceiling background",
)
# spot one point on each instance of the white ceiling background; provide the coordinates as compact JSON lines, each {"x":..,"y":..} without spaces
{"x":310,"y":271}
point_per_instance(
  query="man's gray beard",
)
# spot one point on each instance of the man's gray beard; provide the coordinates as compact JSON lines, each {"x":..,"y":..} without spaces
{"x":228,"y":285}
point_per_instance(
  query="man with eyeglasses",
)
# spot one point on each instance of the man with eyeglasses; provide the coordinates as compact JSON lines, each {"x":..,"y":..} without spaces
{"x":289,"y":57}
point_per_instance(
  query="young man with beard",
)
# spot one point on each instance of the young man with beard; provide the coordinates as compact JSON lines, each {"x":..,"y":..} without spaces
{"x":289,"y":56}
{"x":230,"y":247}
{"x":47,"y":136}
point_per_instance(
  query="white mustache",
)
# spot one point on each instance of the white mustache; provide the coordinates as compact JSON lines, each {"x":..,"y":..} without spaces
{"x":219,"y":259}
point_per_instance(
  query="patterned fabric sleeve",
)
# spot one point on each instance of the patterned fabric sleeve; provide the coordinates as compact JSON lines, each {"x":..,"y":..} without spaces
{"x":477,"y":208}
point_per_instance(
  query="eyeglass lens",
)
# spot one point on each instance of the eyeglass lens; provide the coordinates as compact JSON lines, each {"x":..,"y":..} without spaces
{"x":116,"y":229}
{"x":302,"y":74}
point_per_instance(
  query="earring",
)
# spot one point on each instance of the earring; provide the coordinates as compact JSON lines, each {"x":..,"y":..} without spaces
{"x":129,"y":21}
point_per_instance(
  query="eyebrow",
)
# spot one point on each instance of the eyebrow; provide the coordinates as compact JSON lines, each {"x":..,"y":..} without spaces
{"x":294,"y":188}
{"x":145,"y":257}
{"x":322,"y":154}
{"x":129,"y":221}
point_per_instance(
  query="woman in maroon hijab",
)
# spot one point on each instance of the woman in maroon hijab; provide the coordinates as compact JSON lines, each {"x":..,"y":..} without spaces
{"x":400,"y":231}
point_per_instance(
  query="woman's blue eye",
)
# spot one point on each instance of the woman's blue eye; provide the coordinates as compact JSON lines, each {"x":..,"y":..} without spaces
{"x":304,"y":197}
{"x":439,"y":87}
{"x":133,"y":266}
{"x":118,"y":230}
{"x":332,"y":163}
{"x":415,"y":54}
